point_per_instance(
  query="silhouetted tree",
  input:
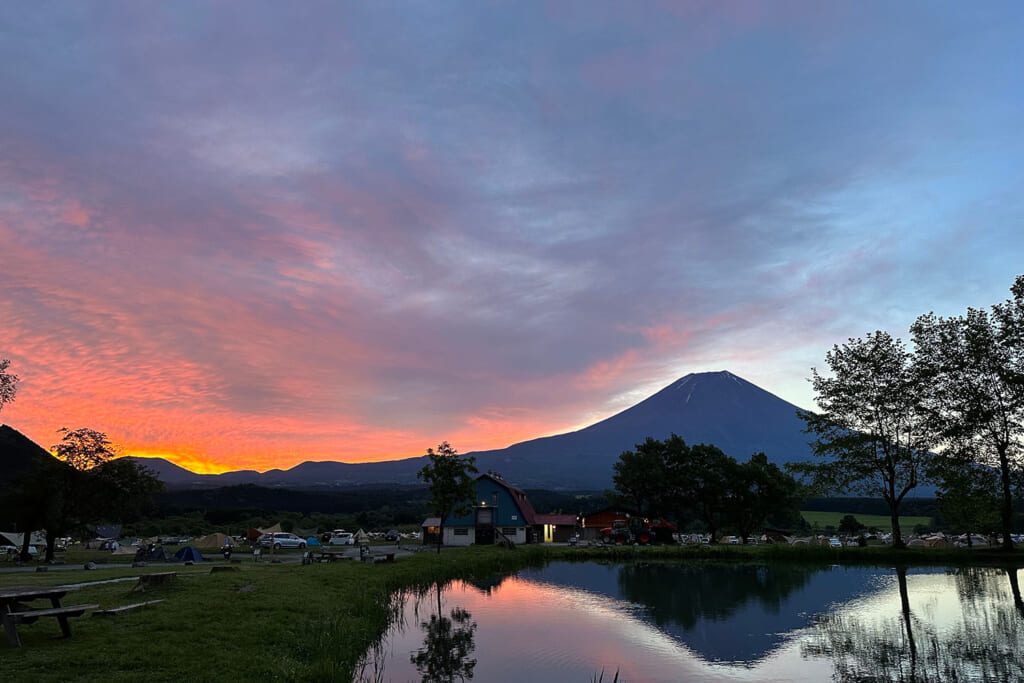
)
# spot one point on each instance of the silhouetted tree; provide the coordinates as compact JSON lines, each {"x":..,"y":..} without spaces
{"x":641,"y":476}
{"x":974,"y":369}
{"x":703,"y":481}
{"x":758,"y":490}
{"x":967,"y":494}
{"x":849,"y":525}
{"x":8,"y":383}
{"x":84,"y":485}
{"x":451,"y":482}
{"x":871,"y":431}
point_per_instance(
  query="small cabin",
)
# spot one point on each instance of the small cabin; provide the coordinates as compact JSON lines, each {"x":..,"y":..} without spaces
{"x":555,"y":528}
{"x":431,"y":529}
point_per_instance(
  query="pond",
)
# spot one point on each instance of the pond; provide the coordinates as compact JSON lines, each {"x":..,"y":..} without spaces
{"x":711,"y":622}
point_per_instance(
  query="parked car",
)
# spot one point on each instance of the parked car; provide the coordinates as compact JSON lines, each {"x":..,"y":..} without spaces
{"x":339,"y":537}
{"x":392,"y":535}
{"x":835,"y":543}
{"x":280,"y":540}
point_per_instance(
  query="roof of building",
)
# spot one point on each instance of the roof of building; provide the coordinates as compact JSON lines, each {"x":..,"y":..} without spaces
{"x":518,"y":495}
{"x":432,"y":521}
{"x":557,"y":520}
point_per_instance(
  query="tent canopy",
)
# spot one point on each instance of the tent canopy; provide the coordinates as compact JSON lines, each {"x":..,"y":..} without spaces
{"x":214,"y":540}
{"x":188,"y":554}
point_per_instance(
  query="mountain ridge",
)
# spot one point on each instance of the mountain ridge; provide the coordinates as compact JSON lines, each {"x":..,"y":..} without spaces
{"x":719,"y":408}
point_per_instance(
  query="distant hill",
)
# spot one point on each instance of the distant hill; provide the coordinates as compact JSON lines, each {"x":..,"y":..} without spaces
{"x":712,"y":407}
{"x":17,"y":453}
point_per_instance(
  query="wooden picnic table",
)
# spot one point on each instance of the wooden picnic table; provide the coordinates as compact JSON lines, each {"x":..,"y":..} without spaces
{"x":15,"y":610}
{"x":331,"y":556}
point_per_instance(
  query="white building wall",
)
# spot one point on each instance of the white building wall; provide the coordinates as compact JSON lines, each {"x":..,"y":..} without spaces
{"x":519,"y":537}
{"x":451,"y":538}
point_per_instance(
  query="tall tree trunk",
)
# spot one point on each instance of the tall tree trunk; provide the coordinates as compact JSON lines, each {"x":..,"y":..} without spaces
{"x":897,"y":535}
{"x":26,"y":541}
{"x":1006,"y":509}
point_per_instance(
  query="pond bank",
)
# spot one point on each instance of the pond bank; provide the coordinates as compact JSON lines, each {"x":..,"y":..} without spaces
{"x":287,"y":622}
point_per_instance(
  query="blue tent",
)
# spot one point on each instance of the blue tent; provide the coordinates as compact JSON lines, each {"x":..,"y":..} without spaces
{"x":311,"y":541}
{"x":189,"y":554}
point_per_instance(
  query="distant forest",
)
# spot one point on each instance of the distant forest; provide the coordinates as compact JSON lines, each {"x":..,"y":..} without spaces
{"x":234,"y":508}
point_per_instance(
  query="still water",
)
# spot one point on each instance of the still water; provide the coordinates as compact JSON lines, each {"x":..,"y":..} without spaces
{"x":709,"y":622}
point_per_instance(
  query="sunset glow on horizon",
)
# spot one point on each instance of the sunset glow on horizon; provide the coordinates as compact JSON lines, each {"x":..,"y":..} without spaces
{"x":247,"y":235}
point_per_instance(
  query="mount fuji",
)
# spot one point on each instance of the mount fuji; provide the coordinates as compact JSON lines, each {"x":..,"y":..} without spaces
{"x":710,"y":407}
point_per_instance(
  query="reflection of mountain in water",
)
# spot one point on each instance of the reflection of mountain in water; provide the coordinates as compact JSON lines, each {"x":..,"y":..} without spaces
{"x":732,"y":613}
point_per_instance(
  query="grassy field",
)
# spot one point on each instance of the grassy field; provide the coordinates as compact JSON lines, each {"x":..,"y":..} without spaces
{"x":265,"y":621}
{"x":880,"y":522}
{"x":287,"y":622}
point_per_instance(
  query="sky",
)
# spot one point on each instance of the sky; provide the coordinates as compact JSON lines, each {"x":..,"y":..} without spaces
{"x":250,"y":234}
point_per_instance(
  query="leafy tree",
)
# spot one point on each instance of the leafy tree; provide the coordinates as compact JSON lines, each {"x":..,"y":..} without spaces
{"x":451,"y":482}
{"x":83,"y":448}
{"x":8,"y":383}
{"x":974,"y":367}
{"x":760,"y":490}
{"x":640,"y":476}
{"x":968,"y":494}
{"x":702,"y":479}
{"x":849,"y":525}
{"x":701,"y":482}
{"x":871,"y":431}
{"x":85,"y":484}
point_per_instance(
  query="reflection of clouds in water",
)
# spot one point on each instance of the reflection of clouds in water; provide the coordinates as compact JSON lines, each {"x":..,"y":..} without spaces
{"x":545,"y":631}
{"x":963,"y":625}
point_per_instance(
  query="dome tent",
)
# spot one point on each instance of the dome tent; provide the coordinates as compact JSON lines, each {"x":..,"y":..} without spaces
{"x":188,"y":554}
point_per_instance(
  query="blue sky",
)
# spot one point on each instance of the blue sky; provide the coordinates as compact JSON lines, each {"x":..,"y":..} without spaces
{"x":259,"y":233}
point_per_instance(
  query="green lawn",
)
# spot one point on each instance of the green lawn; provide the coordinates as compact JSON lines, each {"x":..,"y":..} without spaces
{"x":881,"y":522}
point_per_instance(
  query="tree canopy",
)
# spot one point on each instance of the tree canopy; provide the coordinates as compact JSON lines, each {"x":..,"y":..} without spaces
{"x":451,"y":481}
{"x":84,"y":484}
{"x":871,"y":432}
{"x":702,"y":484}
{"x":973,"y":368}
{"x":8,"y":383}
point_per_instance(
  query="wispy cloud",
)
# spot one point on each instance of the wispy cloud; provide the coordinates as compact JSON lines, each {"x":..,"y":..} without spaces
{"x":246,"y":234}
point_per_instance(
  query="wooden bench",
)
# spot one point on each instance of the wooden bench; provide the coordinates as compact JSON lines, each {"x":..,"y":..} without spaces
{"x":13,"y":619}
{"x":150,"y":580}
{"x":124,"y":608}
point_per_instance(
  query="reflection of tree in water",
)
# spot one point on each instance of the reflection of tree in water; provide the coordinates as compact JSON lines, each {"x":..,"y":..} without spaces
{"x":983,"y":647}
{"x":684,"y":594}
{"x":447,"y":646}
